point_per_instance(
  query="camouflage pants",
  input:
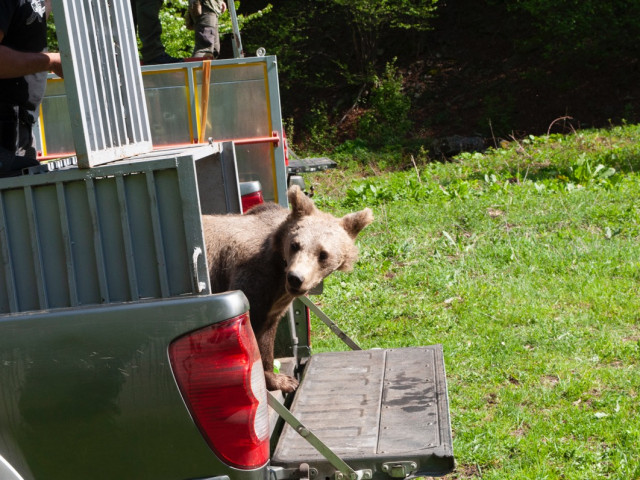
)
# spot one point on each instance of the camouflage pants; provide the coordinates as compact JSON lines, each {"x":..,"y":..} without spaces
{"x":207,"y":39}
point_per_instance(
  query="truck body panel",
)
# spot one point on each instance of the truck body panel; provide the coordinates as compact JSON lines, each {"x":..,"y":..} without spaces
{"x":89,"y":392}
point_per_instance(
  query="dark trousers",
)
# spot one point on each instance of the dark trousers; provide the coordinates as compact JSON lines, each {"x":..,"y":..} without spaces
{"x":17,"y":145}
{"x":146,"y":17}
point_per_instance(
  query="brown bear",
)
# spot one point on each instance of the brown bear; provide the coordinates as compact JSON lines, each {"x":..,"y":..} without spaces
{"x":273,"y":255}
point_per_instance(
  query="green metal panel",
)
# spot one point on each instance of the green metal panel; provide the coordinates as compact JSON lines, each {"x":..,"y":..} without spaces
{"x":218,"y":183}
{"x":89,"y":394}
{"x":115,"y":233}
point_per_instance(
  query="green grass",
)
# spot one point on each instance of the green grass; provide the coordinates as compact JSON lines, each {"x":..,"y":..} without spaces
{"x":524,"y":262}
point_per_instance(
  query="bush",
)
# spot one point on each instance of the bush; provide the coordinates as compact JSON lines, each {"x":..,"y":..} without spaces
{"x":322,"y":133}
{"x":387,"y":120}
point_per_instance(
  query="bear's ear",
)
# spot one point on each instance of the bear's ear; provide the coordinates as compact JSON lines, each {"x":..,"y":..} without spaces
{"x":354,"y":222}
{"x":301,"y":205}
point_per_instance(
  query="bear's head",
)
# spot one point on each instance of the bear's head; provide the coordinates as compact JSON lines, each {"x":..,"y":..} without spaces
{"x":314,"y":243}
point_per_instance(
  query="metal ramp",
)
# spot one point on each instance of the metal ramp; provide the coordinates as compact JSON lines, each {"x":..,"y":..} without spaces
{"x":383,"y":412}
{"x":104,"y":84}
{"x":306,"y":165}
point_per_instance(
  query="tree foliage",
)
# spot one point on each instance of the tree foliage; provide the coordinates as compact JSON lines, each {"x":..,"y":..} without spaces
{"x":580,"y":29}
{"x":387,"y":120}
{"x":370,"y":19}
{"x":331,"y":52}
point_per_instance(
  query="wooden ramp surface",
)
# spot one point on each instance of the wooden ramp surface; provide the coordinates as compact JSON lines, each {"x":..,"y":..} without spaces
{"x":374,"y":409}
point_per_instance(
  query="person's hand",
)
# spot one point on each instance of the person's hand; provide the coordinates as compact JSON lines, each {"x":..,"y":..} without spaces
{"x":55,"y":65}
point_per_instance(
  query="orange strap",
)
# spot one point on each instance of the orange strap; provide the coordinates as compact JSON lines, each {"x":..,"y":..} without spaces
{"x":204,"y":106}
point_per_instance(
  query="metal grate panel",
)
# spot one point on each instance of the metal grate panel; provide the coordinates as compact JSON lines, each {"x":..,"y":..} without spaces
{"x":103,"y":80}
{"x":115,"y":233}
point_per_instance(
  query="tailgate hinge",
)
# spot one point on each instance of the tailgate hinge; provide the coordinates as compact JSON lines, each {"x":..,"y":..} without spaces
{"x":399,"y":469}
{"x":304,"y":472}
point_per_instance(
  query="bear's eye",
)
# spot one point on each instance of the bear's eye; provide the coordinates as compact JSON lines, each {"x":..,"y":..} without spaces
{"x":322,"y":256}
{"x":295,"y":246}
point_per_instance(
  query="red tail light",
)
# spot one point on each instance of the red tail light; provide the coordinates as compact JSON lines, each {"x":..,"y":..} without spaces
{"x":308,"y":314}
{"x":251,"y":200}
{"x":286,"y":148}
{"x":219,"y":372}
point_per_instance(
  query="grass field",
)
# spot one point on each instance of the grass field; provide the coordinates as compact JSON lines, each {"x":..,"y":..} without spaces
{"x":524,"y":262}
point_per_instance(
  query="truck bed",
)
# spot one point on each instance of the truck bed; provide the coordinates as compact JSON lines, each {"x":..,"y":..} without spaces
{"x":384,"y":410}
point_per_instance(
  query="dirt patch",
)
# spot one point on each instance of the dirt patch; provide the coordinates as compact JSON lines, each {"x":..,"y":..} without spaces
{"x":550,"y":381}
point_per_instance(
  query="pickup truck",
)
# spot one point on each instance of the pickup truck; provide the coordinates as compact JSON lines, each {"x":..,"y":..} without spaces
{"x":116,"y":359}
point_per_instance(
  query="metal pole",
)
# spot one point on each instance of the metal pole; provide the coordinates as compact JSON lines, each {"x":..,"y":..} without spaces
{"x":329,"y":323}
{"x":237,"y":41}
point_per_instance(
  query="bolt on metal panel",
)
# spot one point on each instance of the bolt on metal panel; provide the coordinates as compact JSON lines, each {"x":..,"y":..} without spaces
{"x":102,"y":79}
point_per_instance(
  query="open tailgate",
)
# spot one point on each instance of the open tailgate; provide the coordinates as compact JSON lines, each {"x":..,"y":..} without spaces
{"x":382,"y":411}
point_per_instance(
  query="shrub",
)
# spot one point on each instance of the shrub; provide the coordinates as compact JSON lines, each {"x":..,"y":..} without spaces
{"x":321,"y":132}
{"x":387,"y":121}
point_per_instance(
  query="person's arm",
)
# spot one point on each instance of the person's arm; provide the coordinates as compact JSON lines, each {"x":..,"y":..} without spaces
{"x":18,"y":64}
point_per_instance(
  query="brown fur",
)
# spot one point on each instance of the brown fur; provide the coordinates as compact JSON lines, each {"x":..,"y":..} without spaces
{"x":273,"y":255}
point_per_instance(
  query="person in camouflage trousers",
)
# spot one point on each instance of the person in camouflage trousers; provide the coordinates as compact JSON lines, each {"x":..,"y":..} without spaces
{"x":203,"y":19}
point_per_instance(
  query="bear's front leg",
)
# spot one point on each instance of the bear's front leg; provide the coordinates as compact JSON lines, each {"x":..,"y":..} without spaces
{"x":280,"y":381}
{"x":266,"y":338}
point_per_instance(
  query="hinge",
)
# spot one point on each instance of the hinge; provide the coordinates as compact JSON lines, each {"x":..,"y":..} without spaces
{"x":355,"y":475}
{"x":399,"y":469}
{"x":304,"y":472}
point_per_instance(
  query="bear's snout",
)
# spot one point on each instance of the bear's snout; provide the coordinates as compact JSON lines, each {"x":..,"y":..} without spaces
{"x":295,"y":280}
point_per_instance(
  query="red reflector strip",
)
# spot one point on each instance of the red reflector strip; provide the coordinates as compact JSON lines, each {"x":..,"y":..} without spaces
{"x":251,"y":200}
{"x":286,"y":148}
{"x":214,"y":368}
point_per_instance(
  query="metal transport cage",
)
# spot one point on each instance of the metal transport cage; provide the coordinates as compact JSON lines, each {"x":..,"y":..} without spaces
{"x":125,"y":231}
{"x":238,"y":100}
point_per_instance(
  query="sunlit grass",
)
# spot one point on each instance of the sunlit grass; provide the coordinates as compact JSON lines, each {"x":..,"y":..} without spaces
{"x":524,"y":262}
